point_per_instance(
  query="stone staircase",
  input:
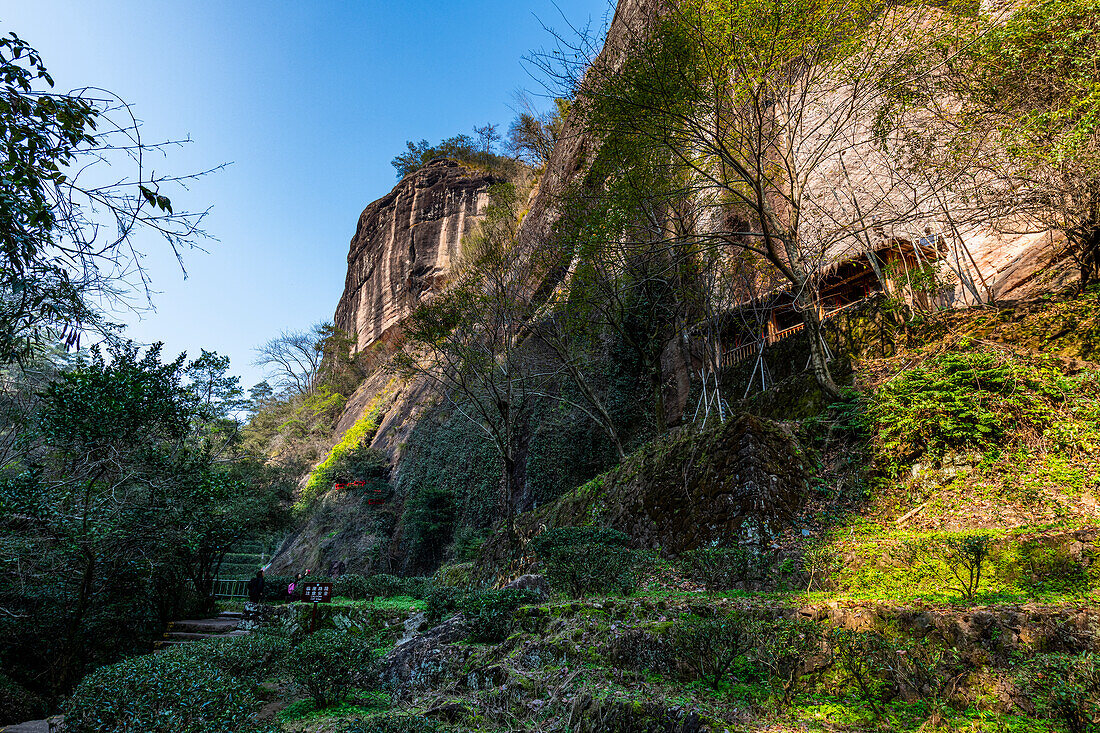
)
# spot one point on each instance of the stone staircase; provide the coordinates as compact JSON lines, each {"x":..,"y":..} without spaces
{"x":224,"y":626}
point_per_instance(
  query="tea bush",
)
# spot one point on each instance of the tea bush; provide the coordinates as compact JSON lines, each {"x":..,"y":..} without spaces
{"x":780,"y":653}
{"x":719,"y":568}
{"x":442,"y":602}
{"x":168,"y":693}
{"x":1066,"y":688}
{"x":253,"y":657}
{"x":710,"y":647}
{"x":580,"y":561}
{"x":275,"y":587}
{"x":381,"y":585}
{"x":353,"y":586}
{"x":490,"y":614}
{"x":326,"y":665}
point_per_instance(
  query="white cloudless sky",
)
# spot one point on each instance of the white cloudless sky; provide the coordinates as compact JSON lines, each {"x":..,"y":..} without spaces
{"x":308,"y":102}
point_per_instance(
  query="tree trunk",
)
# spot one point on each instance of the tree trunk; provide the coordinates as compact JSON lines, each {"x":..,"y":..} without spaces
{"x":509,"y":506}
{"x":818,"y":360}
{"x":1088,"y":255}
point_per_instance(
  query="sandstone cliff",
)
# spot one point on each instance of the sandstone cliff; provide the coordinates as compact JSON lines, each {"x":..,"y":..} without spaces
{"x":405,"y":244}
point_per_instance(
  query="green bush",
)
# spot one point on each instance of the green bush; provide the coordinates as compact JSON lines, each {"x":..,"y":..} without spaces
{"x":381,"y":585}
{"x":355,"y":587}
{"x":719,"y":568}
{"x":442,"y":602}
{"x":879,"y":668}
{"x":490,"y":614}
{"x":326,"y":665}
{"x":17,"y":703}
{"x":168,"y":693}
{"x":252,"y":657}
{"x":275,"y":587}
{"x":863,"y":659}
{"x":1066,"y":688}
{"x":579,"y":561}
{"x":710,"y":647}
{"x":780,"y":652}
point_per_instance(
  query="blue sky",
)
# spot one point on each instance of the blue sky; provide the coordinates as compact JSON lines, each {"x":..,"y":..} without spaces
{"x":309,"y":101}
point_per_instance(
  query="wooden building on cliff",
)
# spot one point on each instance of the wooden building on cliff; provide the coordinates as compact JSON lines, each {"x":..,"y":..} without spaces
{"x":901,"y":268}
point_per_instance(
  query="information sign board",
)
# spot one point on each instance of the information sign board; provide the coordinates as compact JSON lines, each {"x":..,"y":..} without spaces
{"x":316,"y":592}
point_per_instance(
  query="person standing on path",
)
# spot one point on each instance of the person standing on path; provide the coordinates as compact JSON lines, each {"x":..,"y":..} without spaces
{"x":256,"y":587}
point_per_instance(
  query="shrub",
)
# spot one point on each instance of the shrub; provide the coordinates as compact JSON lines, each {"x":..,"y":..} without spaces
{"x":863,"y":659}
{"x":442,"y":602}
{"x":718,"y":568}
{"x":490,"y":614}
{"x":168,"y":693}
{"x":781,"y":650}
{"x":355,"y":587}
{"x":326,"y":665}
{"x":1066,"y":688}
{"x":275,"y":587}
{"x":252,"y":657}
{"x":818,"y":561}
{"x":965,"y":556}
{"x":17,"y":703}
{"x":360,"y":587}
{"x":582,"y":560}
{"x":710,"y":647}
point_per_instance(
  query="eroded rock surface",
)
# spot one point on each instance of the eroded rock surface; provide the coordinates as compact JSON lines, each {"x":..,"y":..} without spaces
{"x":406,"y":244}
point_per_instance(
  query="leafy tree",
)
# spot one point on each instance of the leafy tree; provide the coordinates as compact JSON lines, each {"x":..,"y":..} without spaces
{"x":464,"y":149}
{"x":66,"y":221}
{"x":124,"y":494}
{"x":966,"y":556}
{"x":533,"y":134}
{"x":747,"y":125}
{"x":1012,"y":121}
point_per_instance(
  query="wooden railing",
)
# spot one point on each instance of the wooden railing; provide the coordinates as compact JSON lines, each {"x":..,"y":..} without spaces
{"x":741,"y":353}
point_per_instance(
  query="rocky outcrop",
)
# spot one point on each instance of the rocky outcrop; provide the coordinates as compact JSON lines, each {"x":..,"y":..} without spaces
{"x":738,"y":483}
{"x":406,"y":244}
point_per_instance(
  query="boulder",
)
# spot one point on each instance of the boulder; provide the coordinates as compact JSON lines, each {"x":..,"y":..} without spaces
{"x":537,"y":583}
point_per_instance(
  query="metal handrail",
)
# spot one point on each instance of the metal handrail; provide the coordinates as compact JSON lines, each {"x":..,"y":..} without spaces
{"x":230,"y":588}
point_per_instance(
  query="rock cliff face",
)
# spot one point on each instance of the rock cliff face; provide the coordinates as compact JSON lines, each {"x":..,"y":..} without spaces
{"x":405,"y":245}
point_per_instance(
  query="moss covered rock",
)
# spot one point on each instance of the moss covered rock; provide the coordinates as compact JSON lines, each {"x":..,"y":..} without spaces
{"x":740,"y":482}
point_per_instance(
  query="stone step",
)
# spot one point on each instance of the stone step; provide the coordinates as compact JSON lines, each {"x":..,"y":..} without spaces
{"x":198,"y":636}
{"x":31,"y":726}
{"x":205,"y":626}
{"x":231,"y":614}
